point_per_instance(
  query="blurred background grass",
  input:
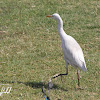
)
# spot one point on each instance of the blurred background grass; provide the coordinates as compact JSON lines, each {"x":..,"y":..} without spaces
{"x":31,"y":52}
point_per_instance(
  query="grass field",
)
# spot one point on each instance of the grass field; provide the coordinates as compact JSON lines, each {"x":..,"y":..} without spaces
{"x":31,"y":52}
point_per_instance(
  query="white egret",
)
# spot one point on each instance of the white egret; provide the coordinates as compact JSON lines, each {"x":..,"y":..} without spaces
{"x":72,"y":51}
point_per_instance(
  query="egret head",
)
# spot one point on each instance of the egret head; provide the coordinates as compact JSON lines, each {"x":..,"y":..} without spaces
{"x":54,"y":16}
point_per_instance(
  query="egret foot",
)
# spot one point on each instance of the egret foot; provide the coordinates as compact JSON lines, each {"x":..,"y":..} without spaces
{"x":79,"y":88}
{"x":50,"y":84}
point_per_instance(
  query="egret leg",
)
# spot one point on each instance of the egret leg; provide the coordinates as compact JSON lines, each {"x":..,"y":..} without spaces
{"x":50,"y":83}
{"x":78,"y":78}
{"x":61,"y":74}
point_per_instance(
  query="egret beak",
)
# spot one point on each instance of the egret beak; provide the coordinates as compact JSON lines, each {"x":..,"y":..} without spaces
{"x":49,"y":16}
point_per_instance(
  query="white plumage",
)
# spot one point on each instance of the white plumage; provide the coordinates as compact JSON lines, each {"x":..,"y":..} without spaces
{"x":72,"y":51}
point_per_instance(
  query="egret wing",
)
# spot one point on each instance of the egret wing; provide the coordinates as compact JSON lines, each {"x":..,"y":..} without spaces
{"x":73,"y":52}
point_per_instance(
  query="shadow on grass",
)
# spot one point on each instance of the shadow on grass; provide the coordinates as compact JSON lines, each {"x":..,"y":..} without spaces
{"x":34,"y":84}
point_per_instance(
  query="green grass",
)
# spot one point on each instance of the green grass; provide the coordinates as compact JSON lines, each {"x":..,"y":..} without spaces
{"x":30,"y":48}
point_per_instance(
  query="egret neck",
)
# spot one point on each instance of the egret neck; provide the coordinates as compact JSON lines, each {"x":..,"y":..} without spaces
{"x":60,"y":28}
